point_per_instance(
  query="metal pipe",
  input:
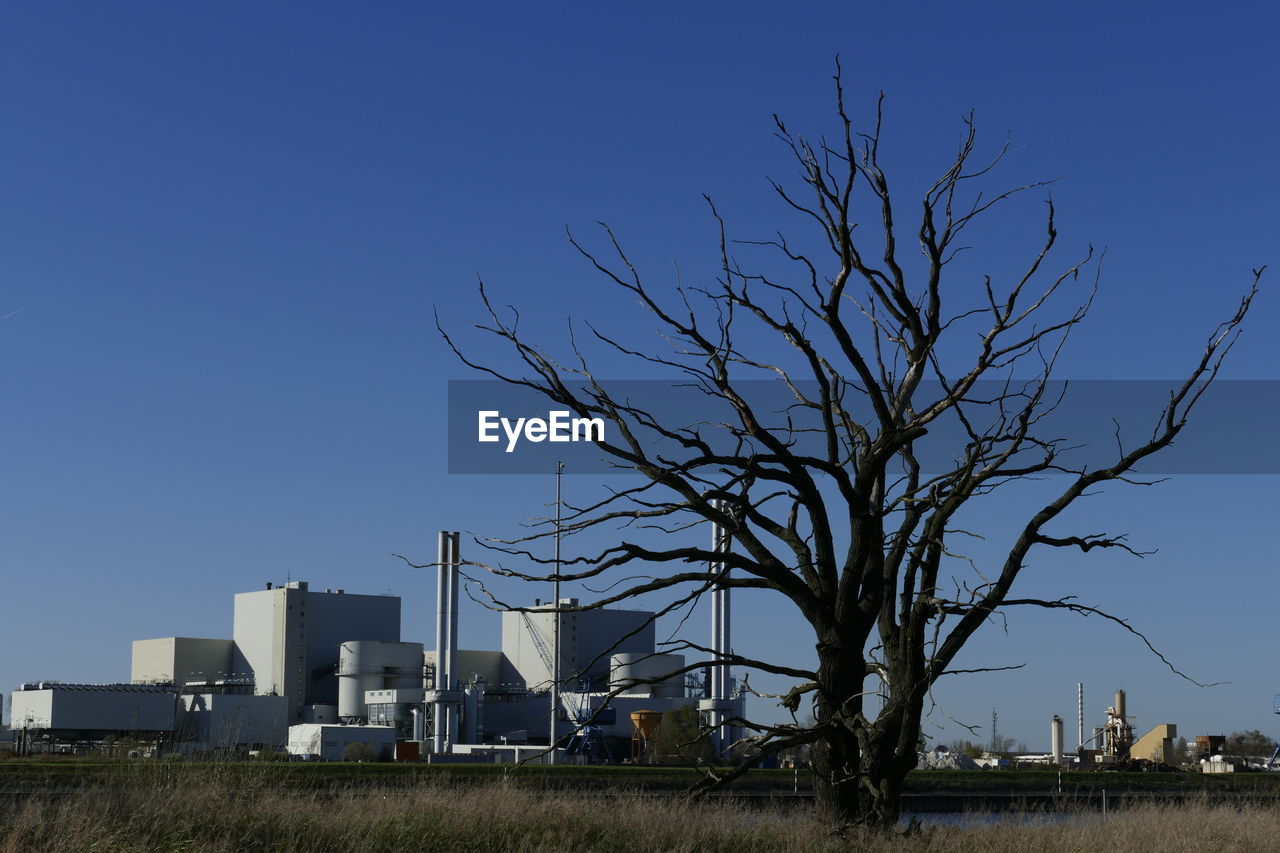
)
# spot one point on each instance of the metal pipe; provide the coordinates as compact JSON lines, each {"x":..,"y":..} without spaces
{"x":418,"y":727}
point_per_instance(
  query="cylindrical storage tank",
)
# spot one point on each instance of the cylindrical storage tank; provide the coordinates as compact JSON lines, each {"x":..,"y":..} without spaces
{"x":374,"y":665}
{"x":358,"y":671}
{"x":1055,"y":739}
{"x":1120,"y":705}
{"x":625,"y":667}
{"x":419,"y":723}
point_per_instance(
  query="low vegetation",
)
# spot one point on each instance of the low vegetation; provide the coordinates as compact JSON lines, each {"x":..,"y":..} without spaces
{"x":247,"y":812}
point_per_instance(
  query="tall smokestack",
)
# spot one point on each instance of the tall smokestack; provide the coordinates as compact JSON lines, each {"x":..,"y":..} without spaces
{"x":1080,"y":710}
{"x":1055,"y":739}
{"x":451,"y":712}
{"x":717,"y":705}
{"x":720,"y":624}
{"x":443,"y":568}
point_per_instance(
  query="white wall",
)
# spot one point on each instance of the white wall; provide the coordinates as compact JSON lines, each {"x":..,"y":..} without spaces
{"x":223,"y":721}
{"x":94,"y":708}
{"x":289,"y":637}
{"x":587,"y":640}
{"x":328,"y":742}
{"x":179,"y":660}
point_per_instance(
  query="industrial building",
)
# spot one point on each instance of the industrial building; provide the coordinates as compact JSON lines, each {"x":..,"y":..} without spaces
{"x":329,"y":742}
{"x":229,"y":720}
{"x":313,"y":671}
{"x":584,"y":635}
{"x":92,"y":711}
{"x":178,"y":660}
{"x":285,"y":641}
{"x":289,"y":636}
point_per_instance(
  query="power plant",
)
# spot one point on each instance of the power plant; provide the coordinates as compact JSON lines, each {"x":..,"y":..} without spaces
{"x":319,"y":673}
{"x":312,"y":672}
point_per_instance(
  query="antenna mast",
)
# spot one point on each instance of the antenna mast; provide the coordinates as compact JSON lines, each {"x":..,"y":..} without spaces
{"x":555,"y":631}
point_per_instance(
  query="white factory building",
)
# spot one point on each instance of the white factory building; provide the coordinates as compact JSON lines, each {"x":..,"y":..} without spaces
{"x":307,"y":667}
{"x":584,"y":636}
{"x":285,"y":640}
{"x":289,"y":638}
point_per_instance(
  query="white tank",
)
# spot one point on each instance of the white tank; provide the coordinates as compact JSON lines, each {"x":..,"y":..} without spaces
{"x":374,"y":665}
{"x":624,"y":667}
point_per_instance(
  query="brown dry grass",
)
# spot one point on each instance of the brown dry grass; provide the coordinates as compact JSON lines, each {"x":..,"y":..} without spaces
{"x":214,"y":815}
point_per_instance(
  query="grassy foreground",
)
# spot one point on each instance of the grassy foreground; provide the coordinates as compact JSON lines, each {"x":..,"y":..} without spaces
{"x":225,"y":814}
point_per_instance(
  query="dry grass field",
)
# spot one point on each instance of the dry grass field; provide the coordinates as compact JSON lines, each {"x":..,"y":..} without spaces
{"x":235,"y":814}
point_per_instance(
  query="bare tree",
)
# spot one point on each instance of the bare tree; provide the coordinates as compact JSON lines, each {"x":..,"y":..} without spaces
{"x":831,"y":503}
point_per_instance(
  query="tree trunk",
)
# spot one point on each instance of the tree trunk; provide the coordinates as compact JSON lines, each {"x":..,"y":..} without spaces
{"x":858,"y":774}
{"x":856,"y":786}
{"x":860,"y":765}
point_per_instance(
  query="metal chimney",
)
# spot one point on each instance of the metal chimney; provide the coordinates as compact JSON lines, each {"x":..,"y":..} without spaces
{"x":444,"y":713}
{"x":443,"y":569}
{"x":1080,"y":711}
{"x":718,"y":702}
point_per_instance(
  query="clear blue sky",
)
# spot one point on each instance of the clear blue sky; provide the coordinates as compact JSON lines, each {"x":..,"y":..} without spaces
{"x":223,"y":229}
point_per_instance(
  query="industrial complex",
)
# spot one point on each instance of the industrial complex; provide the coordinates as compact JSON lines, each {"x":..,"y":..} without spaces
{"x":311,"y":672}
{"x":326,"y":675}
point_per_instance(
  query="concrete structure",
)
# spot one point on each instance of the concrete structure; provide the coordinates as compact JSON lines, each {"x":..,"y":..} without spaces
{"x":504,"y":754}
{"x":720,"y":706}
{"x":304,"y":658}
{"x":1055,"y":740}
{"x":214,"y":721}
{"x":1155,"y":745}
{"x":89,"y":711}
{"x":365,"y":665}
{"x":396,"y":707}
{"x":289,"y":637}
{"x":1117,"y":734}
{"x":179,"y":660}
{"x":445,"y":697}
{"x":320,"y":714}
{"x":588,"y":638}
{"x":327,"y":743}
{"x":490,"y":665}
{"x":640,"y":671}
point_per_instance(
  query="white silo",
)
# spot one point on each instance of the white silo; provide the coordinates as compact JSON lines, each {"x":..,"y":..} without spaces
{"x":627,"y":667}
{"x":374,"y":665}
